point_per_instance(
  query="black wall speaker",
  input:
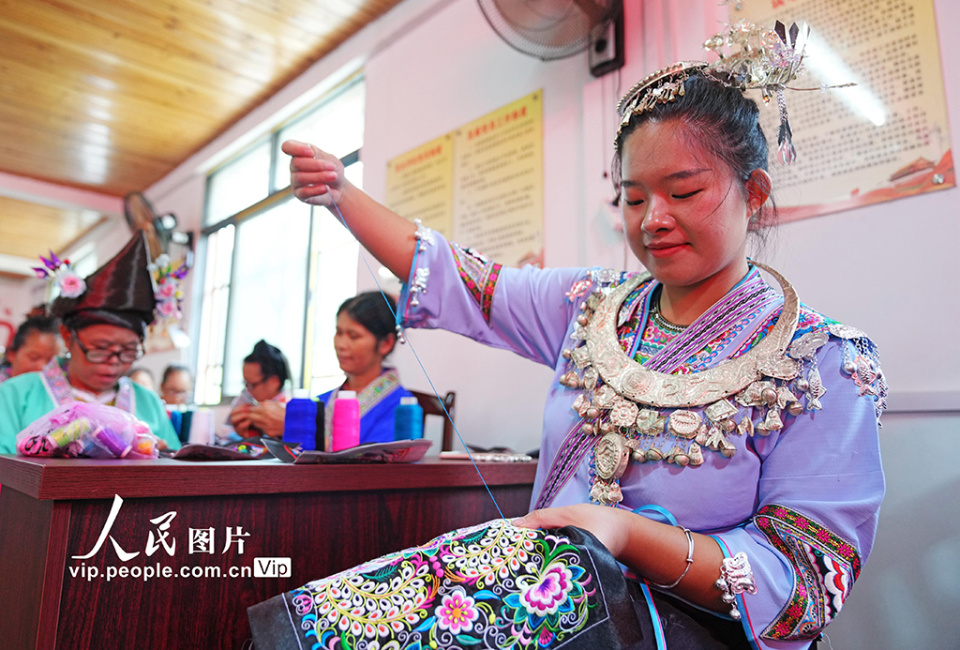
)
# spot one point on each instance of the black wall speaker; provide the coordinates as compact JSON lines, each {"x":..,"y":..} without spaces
{"x":606,"y":47}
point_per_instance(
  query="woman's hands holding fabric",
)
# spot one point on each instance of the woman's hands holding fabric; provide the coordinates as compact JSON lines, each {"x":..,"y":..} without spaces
{"x":240,"y":419}
{"x":653,"y":550}
{"x":268,"y":418}
{"x":606,"y":524}
{"x":315,"y":175}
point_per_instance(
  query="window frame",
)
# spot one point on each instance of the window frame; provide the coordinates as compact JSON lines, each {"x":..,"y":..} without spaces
{"x":276,"y":196}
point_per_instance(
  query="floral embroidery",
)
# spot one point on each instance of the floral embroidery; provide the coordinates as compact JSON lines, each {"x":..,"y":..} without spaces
{"x":492,"y":585}
{"x":479,"y":275}
{"x":456,"y":612}
{"x":825,"y":567}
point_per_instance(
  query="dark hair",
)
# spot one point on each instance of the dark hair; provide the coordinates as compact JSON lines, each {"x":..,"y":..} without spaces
{"x":375,"y":311}
{"x":723,"y":121}
{"x":130,"y":320}
{"x":38,"y":324}
{"x":172,"y":368}
{"x":271,"y":361}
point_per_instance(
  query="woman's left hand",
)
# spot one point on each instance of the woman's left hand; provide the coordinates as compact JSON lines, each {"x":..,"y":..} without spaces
{"x":268,"y":417}
{"x":606,"y":524}
{"x":654,"y":550}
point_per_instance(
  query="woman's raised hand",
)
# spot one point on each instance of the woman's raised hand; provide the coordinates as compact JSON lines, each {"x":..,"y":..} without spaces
{"x":315,"y":175}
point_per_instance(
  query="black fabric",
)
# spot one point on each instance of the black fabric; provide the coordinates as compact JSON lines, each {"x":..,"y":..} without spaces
{"x":122,"y":287}
{"x":685,"y":627}
{"x":612,"y":625}
{"x":622,"y":623}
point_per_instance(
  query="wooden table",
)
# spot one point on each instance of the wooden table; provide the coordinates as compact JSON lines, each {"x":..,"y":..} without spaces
{"x":325,"y":518}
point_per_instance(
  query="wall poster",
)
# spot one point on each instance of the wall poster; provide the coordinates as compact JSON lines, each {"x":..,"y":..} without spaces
{"x":481,"y":185}
{"x":883,"y":139}
{"x":420,"y":184}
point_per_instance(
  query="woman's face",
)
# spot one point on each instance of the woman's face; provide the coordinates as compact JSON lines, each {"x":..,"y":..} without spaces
{"x":357,"y":348}
{"x":684,"y":213}
{"x":263,"y":389}
{"x":177,"y":388}
{"x":97,"y":339}
{"x":34,"y":354}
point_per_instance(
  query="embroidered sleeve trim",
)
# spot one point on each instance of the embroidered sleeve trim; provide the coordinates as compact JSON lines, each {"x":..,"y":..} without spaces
{"x":825,"y":567}
{"x":479,"y":276}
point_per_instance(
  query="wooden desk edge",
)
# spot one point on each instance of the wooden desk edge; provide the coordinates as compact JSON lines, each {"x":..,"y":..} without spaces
{"x":57,"y":478}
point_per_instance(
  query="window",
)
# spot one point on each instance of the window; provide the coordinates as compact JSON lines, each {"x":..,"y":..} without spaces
{"x":243,"y":182}
{"x":275,"y":268}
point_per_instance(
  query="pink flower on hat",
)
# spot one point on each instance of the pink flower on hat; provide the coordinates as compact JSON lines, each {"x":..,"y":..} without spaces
{"x":71,"y":284}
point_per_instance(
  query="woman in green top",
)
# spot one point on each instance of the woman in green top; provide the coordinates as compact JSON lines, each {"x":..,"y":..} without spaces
{"x":104,"y":321}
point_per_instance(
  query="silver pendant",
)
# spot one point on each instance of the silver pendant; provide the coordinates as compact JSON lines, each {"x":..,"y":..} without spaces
{"x":753,"y":394}
{"x":611,"y":456}
{"x":649,"y":423}
{"x":721,"y":410}
{"x":678,"y":457}
{"x":624,"y":413}
{"x":845,"y":331}
{"x":604,"y":397}
{"x":684,"y":424}
{"x":807,"y":345}
{"x":815,"y":390}
{"x":590,"y":377}
{"x":772,"y":422}
{"x":580,"y":357}
{"x":865,"y":376}
{"x":784,"y":397}
{"x":696,"y":455}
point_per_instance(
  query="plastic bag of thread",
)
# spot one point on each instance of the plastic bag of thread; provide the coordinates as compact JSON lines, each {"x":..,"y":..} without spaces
{"x":80,"y":430}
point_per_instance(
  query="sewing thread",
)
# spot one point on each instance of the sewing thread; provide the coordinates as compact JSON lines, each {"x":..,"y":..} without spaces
{"x":408,"y":420}
{"x":346,"y":421}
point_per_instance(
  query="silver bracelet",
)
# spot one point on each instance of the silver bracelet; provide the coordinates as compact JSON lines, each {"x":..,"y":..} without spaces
{"x":686,"y":531}
{"x":736,"y":577}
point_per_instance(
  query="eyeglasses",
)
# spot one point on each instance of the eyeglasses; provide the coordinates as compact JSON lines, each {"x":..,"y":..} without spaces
{"x":250,"y":385}
{"x":100,"y":355}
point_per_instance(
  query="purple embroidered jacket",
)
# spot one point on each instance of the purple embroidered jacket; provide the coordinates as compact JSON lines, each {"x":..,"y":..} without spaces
{"x":801,"y":502}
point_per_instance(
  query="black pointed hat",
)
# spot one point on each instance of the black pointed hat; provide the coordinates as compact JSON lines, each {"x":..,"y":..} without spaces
{"x":118,"y":293}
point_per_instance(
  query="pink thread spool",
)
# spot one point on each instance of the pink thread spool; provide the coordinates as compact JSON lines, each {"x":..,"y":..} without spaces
{"x":346,"y":421}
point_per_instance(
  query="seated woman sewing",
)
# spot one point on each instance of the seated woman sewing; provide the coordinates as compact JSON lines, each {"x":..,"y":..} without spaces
{"x":365,"y":338}
{"x":259,"y":410}
{"x":103,"y":328}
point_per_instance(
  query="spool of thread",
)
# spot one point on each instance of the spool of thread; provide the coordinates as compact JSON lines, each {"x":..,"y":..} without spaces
{"x":300,"y":423}
{"x":408,"y":420}
{"x":345,"y":421}
{"x":71,"y":432}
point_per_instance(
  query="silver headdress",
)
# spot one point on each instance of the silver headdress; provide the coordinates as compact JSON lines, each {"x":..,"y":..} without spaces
{"x":750,"y":57}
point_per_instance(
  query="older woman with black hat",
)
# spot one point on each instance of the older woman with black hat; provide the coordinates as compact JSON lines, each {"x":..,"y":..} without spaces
{"x":104,"y":321}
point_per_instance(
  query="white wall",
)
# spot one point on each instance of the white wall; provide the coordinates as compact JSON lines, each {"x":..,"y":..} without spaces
{"x":15,"y":297}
